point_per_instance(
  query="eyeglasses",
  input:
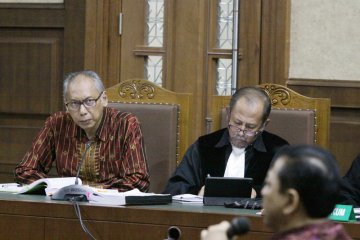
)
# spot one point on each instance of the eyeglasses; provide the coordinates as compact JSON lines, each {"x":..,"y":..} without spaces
{"x":247,"y":132}
{"x":89,"y":102}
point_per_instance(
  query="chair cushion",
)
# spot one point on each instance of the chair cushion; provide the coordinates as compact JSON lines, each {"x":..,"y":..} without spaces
{"x":159,"y":124}
{"x":295,"y":126}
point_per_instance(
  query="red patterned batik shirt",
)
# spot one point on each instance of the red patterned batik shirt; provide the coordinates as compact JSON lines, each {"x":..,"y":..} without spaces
{"x":115,"y":159}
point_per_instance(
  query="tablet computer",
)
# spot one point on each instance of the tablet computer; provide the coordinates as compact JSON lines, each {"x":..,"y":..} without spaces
{"x":219,"y":190}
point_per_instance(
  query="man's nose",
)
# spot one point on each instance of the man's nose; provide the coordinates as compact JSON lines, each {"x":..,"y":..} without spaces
{"x":241,"y":130}
{"x":82,"y":109}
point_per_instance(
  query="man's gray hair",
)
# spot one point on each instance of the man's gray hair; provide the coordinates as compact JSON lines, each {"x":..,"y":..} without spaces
{"x":90,"y":74}
{"x":251,"y":93}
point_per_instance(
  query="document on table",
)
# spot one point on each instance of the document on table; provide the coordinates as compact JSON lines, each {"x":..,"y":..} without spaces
{"x":10,"y":187}
{"x":42,"y":186}
{"x":132,"y":197}
{"x":188,"y":199}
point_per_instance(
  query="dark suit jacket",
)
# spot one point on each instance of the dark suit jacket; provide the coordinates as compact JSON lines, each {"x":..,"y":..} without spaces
{"x":350,"y":185}
{"x":209,"y":155}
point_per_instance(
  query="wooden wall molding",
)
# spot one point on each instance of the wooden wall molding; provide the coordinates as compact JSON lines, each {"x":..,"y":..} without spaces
{"x":343,"y":94}
{"x":323,"y":83}
{"x":30,"y":17}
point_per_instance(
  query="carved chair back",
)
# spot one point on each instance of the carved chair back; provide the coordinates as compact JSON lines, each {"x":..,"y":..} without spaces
{"x":165,"y":119}
{"x":296,"y":118}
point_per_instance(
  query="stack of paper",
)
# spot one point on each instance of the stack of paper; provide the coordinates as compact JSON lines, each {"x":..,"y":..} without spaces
{"x":132,"y":197}
{"x":10,"y":187}
{"x":188,"y":199}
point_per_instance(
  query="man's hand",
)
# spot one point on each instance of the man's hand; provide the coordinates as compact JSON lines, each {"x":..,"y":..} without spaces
{"x":201,"y":192}
{"x":216,"y":232}
{"x":253,"y":193}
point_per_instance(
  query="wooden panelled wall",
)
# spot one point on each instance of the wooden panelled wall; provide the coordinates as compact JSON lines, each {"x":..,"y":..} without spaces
{"x":31,"y":67}
{"x":39,"y":43}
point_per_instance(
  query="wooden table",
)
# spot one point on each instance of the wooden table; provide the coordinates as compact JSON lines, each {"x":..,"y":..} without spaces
{"x":39,"y":217}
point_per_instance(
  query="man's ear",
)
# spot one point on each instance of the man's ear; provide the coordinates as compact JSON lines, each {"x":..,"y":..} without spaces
{"x":266,"y":122}
{"x":66,"y":108}
{"x":228,"y":112}
{"x":104,"y":99}
{"x":293,"y":202}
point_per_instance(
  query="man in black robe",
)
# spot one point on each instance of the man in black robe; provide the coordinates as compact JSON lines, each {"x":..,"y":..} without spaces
{"x":350,"y":185}
{"x":243,"y":149}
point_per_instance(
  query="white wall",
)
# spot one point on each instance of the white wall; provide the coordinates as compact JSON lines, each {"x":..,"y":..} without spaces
{"x":325,"y":39}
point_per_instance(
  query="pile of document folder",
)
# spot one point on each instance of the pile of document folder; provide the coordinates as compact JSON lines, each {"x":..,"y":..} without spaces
{"x":132,"y":197}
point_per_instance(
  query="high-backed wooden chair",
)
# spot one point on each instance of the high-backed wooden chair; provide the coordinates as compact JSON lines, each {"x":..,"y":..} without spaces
{"x":294,"y":117}
{"x":165,"y":119}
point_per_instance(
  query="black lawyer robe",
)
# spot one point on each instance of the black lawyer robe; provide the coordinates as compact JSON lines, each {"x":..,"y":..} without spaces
{"x":209,"y":156}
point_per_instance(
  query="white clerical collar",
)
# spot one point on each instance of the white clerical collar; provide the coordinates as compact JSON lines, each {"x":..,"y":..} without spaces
{"x":237,"y":151}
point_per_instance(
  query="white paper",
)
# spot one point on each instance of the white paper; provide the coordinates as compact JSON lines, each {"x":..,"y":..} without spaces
{"x":106,"y":199}
{"x":188,"y":199}
{"x":10,"y":187}
{"x":50,"y":185}
{"x":113,"y":197}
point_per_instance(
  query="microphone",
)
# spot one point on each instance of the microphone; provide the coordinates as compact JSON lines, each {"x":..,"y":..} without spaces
{"x":87,"y":146}
{"x":238,"y":226}
{"x":174,"y":233}
{"x":74,"y":192}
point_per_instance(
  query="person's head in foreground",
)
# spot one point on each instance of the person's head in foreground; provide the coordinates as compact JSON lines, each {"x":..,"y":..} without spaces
{"x":299,"y":194}
{"x":300,"y":188}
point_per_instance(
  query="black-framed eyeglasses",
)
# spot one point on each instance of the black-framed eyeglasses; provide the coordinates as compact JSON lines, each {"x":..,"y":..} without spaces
{"x":88,"y":103}
{"x":247,"y":132}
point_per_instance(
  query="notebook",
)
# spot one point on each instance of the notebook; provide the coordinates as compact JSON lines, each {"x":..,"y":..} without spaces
{"x":219,"y":190}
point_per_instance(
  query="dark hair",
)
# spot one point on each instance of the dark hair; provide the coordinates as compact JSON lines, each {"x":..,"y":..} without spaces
{"x":90,"y":74}
{"x":314,"y":174}
{"x":250,"y":93}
